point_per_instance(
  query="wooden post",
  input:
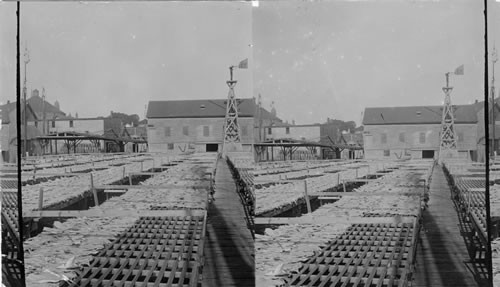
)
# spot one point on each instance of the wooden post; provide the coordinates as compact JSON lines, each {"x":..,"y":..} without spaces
{"x":34,"y":172}
{"x":123,"y":174}
{"x":357,"y":169}
{"x":40,"y":199}
{"x":338,"y":178}
{"x":343,"y":183}
{"x":211,"y":183}
{"x":142,"y":166}
{"x":308,"y":203}
{"x":130,"y":179}
{"x":94,"y":191}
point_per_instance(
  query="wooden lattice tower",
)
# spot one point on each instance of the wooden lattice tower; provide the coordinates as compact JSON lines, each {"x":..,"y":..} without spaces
{"x":232,"y":140}
{"x":448,"y":143}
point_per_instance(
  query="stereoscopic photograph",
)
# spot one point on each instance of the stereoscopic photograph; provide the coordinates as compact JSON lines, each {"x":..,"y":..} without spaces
{"x":250,"y":143}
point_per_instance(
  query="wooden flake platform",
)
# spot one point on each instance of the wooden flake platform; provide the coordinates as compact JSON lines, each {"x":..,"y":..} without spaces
{"x":366,"y":255}
{"x":156,"y":251}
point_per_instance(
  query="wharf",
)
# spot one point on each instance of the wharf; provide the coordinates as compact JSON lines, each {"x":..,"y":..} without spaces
{"x":229,"y":246}
{"x":442,"y":255}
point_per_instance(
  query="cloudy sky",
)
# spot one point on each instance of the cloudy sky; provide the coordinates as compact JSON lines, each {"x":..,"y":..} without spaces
{"x":314,"y":59}
{"x":100,"y":57}
{"x":333,"y":59}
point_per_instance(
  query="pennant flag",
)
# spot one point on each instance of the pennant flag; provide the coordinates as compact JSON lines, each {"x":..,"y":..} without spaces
{"x":459,"y":70}
{"x":243,"y":64}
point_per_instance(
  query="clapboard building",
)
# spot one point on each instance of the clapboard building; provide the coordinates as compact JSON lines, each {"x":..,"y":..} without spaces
{"x":414,"y":132}
{"x":198,"y":125}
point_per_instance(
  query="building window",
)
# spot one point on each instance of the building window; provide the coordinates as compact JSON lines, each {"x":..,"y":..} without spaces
{"x":244,"y":131}
{"x":387,"y":152}
{"x":70,"y":124}
{"x":170,"y":146}
{"x":402,"y":137}
{"x":269,"y":131}
{"x":53,"y":124}
{"x":460,"y":137}
{"x":185,"y":130}
{"x":36,"y":124}
{"x":383,"y":138}
{"x":422,"y":138}
{"x":287,"y":130}
{"x":167,"y":131}
{"x":206,"y":131}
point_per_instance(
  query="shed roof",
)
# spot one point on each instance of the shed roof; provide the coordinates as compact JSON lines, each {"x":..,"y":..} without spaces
{"x":417,"y":115}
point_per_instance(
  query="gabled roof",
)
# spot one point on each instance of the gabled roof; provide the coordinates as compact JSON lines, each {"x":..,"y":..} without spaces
{"x":202,"y":109}
{"x":6,"y":109}
{"x":418,"y":115}
{"x":36,"y":103}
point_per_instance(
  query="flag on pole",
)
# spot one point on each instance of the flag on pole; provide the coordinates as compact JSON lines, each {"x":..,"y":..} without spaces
{"x":459,"y":70}
{"x":243,"y":64}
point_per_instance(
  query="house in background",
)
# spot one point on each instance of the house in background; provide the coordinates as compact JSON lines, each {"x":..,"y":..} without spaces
{"x":140,"y":132}
{"x":414,"y":132}
{"x":198,"y":125}
{"x":8,"y":132}
{"x":41,"y":106}
{"x":297,"y":132}
{"x":100,"y":126}
{"x":354,"y":143}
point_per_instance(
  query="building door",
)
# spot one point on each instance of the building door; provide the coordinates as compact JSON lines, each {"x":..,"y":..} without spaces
{"x":428,"y":154}
{"x":212,"y":147}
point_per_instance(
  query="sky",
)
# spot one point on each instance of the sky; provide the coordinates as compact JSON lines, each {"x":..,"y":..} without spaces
{"x":314,"y":59}
{"x":334,"y":58}
{"x":94,"y":58}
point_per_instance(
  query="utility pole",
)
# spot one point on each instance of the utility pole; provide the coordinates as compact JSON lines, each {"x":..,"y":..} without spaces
{"x":26,"y":61}
{"x":43,"y":111}
{"x":260,"y":118}
{"x":494,"y":59}
{"x":44,"y":115}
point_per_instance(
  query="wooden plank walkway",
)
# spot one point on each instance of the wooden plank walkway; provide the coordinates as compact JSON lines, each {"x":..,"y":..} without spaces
{"x":442,"y":257}
{"x":229,"y":247}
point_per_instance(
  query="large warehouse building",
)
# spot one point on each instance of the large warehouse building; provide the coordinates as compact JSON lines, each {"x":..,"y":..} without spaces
{"x":402,"y":132}
{"x":183,"y":125}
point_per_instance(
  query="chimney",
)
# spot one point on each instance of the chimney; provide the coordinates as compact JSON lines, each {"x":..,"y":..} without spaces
{"x":35,"y":93}
{"x":273,"y":110}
